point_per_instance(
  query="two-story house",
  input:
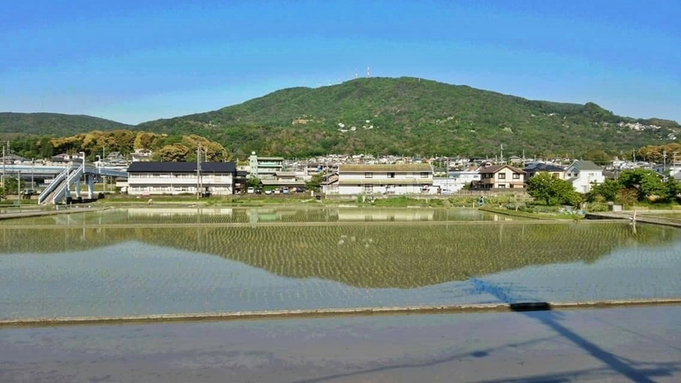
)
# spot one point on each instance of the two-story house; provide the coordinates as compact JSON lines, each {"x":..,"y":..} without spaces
{"x":582,"y":174}
{"x":148,"y":178}
{"x":501,"y":177}
{"x":385,"y":179}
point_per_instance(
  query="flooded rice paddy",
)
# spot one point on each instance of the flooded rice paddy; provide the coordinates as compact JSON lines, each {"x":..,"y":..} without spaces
{"x":125,"y":262}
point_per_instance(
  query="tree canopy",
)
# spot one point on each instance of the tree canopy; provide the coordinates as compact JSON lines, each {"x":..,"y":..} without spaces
{"x":553,"y":190}
{"x":640,"y":183}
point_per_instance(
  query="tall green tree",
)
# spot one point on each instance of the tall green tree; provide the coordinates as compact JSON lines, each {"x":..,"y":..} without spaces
{"x":11,"y":186}
{"x":608,"y":190}
{"x":252,"y":182}
{"x":552,"y":190}
{"x":646,"y":182}
{"x":315,"y":183}
{"x":673,"y":188}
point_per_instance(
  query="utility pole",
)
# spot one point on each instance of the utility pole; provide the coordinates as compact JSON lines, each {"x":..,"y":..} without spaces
{"x":501,"y":159}
{"x":664,"y":165}
{"x":3,"y":169}
{"x":198,"y":171}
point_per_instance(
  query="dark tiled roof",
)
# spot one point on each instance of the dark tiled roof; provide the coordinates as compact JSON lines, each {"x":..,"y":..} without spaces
{"x":181,"y":167}
{"x":585,"y":165}
{"x":540,"y":167}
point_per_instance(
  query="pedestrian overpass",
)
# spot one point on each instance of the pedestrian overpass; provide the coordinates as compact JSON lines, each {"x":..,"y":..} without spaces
{"x":66,"y":176}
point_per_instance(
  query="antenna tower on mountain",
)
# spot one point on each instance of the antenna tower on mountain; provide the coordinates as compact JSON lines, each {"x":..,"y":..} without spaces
{"x":368,"y":72}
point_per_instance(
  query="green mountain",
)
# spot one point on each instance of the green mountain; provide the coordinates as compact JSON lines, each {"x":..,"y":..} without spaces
{"x":414,"y":116}
{"x":54,"y":124}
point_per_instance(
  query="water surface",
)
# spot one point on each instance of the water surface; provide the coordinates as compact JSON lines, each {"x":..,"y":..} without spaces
{"x":66,"y":270}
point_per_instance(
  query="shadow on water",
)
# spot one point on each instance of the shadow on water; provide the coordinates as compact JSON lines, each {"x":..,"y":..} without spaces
{"x":542,"y":312}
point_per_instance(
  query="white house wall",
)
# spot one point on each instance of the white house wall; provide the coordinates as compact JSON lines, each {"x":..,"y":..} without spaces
{"x":174,"y":184}
{"x":583,"y":182}
{"x":383,"y":190}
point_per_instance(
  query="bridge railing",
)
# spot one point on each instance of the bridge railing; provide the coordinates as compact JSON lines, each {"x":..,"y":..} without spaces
{"x":56,"y":192}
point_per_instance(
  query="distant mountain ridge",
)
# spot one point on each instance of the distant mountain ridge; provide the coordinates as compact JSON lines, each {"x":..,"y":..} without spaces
{"x":54,"y":123}
{"x":394,"y":116}
{"x":414,"y":116}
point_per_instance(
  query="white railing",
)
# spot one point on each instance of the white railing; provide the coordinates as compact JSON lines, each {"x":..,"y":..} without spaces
{"x":54,"y":184}
{"x":60,"y":189}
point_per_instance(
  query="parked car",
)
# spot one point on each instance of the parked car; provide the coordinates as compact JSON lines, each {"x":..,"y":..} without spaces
{"x":258,"y":191}
{"x":250,"y":190}
{"x":268,"y":192}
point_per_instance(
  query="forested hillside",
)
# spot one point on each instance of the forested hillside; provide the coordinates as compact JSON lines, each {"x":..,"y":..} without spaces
{"x":403,"y":116}
{"x":54,"y":123}
{"x":414,"y":116}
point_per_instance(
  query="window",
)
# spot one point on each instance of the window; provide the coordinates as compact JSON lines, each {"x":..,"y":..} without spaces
{"x":516,"y":176}
{"x":501,"y":176}
{"x":368,"y":189}
{"x":424,"y":174}
{"x":368,"y":175}
{"x":501,"y":186}
{"x":391,"y":175}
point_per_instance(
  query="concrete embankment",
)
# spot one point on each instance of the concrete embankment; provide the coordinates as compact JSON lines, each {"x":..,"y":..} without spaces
{"x":336,"y":312}
{"x":640,"y":218}
{"x":42,"y":213}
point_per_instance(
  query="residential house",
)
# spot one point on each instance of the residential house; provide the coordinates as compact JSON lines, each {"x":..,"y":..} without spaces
{"x":672,"y":168}
{"x":240,"y":178}
{"x":63,"y":157}
{"x":115,"y":158}
{"x":141,"y":155}
{"x":515,"y":160}
{"x":10,"y":159}
{"x":501,"y":177}
{"x":582,"y":174}
{"x":148,"y":178}
{"x":384,"y":179}
{"x":534,"y":168}
{"x":283,"y":179}
{"x":457,"y":180}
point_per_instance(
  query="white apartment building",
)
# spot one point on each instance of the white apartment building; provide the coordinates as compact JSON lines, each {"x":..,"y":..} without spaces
{"x":385,"y":179}
{"x":149,"y":178}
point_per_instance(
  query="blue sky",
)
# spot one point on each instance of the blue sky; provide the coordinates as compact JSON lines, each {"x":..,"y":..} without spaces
{"x":134,"y":61}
